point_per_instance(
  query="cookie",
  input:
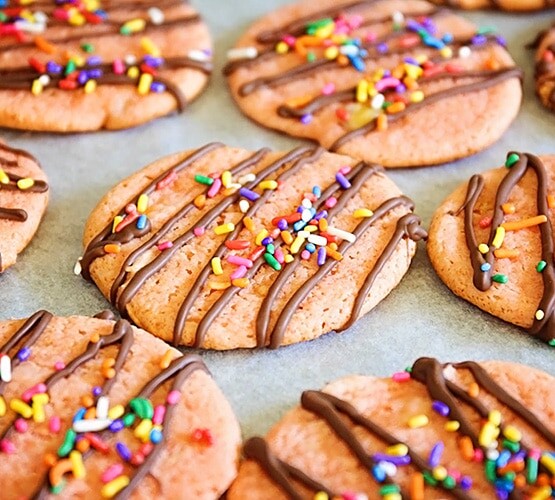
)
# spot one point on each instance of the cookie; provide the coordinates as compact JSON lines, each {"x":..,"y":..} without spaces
{"x":68,"y":67}
{"x":23,"y":199}
{"x":94,"y":408}
{"x":491,"y":242}
{"x":224,"y":248}
{"x":380,"y":80}
{"x":462,"y":430}
{"x":545,"y":68}
{"x":509,"y":5}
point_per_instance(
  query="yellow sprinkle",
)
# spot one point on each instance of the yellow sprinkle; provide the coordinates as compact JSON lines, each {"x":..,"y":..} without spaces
{"x":362,"y":91}
{"x":260,"y":236}
{"x":289,"y":258}
{"x":321,"y":495}
{"x":217,"y":266}
{"x":499,"y":237}
{"x":483,"y":248}
{"x":77,"y":20}
{"x":36,"y":87}
{"x":310,"y":229}
{"x":116,"y":412}
{"x":249,"y":224}
{"x":398,"y":450}
{"x":41,"y":399}
{"x":150,"y":47}
{"x":392,"y":496}
{"x":77,"y":463}
{"x":224,"y":228}
{"x":4,"y":178}
{"x":2,"y":406}
{"x":417,"y":96}
{"x":282,"y":48}
{"x":542,"y":493}
{"x":439,"y":472}
{"x":548,"y":462}
{"x":39,"y":416}
{"x":25,"y":183}
{"x":21,"y":407}
{"x":446,"y":52}
{"x":488,"y":434}
{"x":287,"y":237}
{"x":495,"y":417}
{"x":413,"y":72}
{"x":226,"y":178}
{"x":378,"y":75}
{"x":144,"y":84}
{"x":268,"y":185}
{"x":111,"y":489}
{"x":134,"y":26}
{"x":362,"y":213}
{"x":117,"y":220}
{"x":539,"y":315}
{"x":142,"y":203}
{"x":331,"y":251}
{"x":512,"y":433}
{"x":418,"y":421}
{"x":142,"y":431}
{"x":452,"y":426}
{"x":90,"y":86}
{"x":166,"y":359}
{"x":296,"y":245}
{"x":133,"y":72}
{"x":331,"y":53}
{"x":240,"y":282}
{"x":218,"y":285}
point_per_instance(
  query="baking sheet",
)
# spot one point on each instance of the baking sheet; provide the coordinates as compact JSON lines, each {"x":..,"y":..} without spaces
{"x":420,"y":318}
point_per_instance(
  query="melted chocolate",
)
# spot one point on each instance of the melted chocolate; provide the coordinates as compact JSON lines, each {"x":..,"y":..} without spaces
{"x":492,"y":4}
{"x":544,"y":328}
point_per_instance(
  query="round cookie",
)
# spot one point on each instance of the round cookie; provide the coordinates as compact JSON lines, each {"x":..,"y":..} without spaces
{"x":545,"y":68}
{"x":379,"y":80}
{"x":463,"y":430}
{"x":224,"y":248}
{"x":23,"y":200}
{"x":94,"y":408}
{"x":67,"y":67}
{"x":491,"y":242}
{"x":509,"y":5}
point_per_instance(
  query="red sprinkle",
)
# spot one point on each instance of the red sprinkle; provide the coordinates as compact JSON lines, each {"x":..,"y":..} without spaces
{"x":67,"y":84}
{"x":97,"y":443}
{"x":237,"y":244}
{"x":453,"y":68}
{"x":342,"y":114}
{"x":128,"y":220}
{"x":164,"y":245}
{"x":137,"y":459}
{"x":145,"y":68}
{"x":203,"y":436}
{"x":257,"y":253}
{"x":485,"y":222}
{"x":37,"y":65}
{"x":146,"y":449}
{"x":166,"y":181}
{"x":91,"y":18}
{"x":290,"y":219}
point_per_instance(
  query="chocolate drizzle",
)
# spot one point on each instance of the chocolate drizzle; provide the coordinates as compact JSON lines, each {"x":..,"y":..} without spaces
{"x":544,"y":328}
{"x":491,"y":4}
{"x":341,"y":415}
{"x":126,"y":286}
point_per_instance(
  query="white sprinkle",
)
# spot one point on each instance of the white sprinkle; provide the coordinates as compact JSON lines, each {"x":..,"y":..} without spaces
{"x":30,"y":27}
{"x":244,"y":206}
{"x":247,"y":178}
{"x":198,"y":55}
{"x":349,"y":50}
{"x":389,"y":468}
{"x":44,"y":80}
{"x":398,"y":17}
{"x":344,"y":235}
{"x":242,"y":53}
{"x":156,"y":15}
{"x":5,"y":368}
{"x":234,"y":185}
{"x":102,"y":407}
{"x":464,"y":52}
{"x":492,"y":454}
{"x":77,"y":267}
{"x":130,"y":59}
{"x":306,"y":215}
{"x":40,"y":17}
{"x":303,"y":234}
{"x":91,"y":425}
{"x":318,"y":240}
{"x":306,"y":203}
{"x":377,"y":101}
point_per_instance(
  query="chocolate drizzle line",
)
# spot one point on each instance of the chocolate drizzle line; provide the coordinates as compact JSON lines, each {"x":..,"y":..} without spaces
{"x":492,"y":4}
{"x":545,"y":328}
{"x":331,"y":409}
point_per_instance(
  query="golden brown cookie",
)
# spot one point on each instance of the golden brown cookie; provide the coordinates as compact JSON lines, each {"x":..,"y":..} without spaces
{"x":400,"y":83}
{"x":80,"y":66}
{"x":545,"y":68}
{"x":491,"y":242}
{"x":94,"y":408}
{"x":23,"y":199}
{"x":224,"y":248}
{"x":461,"y":430}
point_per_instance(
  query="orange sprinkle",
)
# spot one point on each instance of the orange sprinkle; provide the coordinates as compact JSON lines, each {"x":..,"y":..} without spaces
{"x":109,"y":373}
{"x":492,"y":64}
{"x":512,"y":467}
{"x":87,"y":401}
{"x":543,"y":479}
{"x":108,"y":363}
{"x":298,"y":102}
{"x":508,"y":208}
{"x":249,"y":224}
{"x":200,"y":201}
{"x":466,"y":447}
{"x":218,"y":285}
{"x":342,"y":60}
{"x":287,"y":237}
{"x":83,"y":445}
{"x":396,"y":107}
{"x":240,"y":282}
{"x":398,"y":72}
{"x":473,"y":390}
{"x":334,"y":254}
{"x":112,"y":248}
{"x":45,"y":45}
{"x":505,"y":253}
{"x":416,"y":488}
{"x":166,"y":359}
{"x":520,"y":481}
{"x":550,"y":201}
{"x":95,"y":337}
{"x":50,"y":459}
{"x":323,"y":225}
{"x":410,"y":83}
{"x":524,"y":223}
{"x":57,"y":472}
{"x":381,"y":122}
{"x":90,"y":414}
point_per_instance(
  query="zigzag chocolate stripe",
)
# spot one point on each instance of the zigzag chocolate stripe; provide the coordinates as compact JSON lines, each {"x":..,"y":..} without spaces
{"x":544,"y":328}
{"x":333,"y":411}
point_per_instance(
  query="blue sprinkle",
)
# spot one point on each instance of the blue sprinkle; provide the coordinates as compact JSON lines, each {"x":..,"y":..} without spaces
{"x":141,"y":222}
{"x":95,"y":73}
{"x":3,"y":3}
{"x":466,"y":483}
{"x":485,"y":267}
{"x":394,"y":459}
{"x":504,"y":485}
{"x":317,"y":191}
{"x":53,"y":68}
{"x":501,"y":40}
{"x":441,"y":408}
{"x":101,"y":13}
{"x":80,"y":415}
{"x":299,"y":225}
{"x":153,"y":61}
{"x":378,"y":473}
{"x":155,"y":436}
{"x":479,"y":40}
{"x":123,"y":451}
{"x":23,"y":354}
{"x":357,"y":62}
{"x":503,"y":458}
{"x":448,"y":37}
{"x":310,"y":247}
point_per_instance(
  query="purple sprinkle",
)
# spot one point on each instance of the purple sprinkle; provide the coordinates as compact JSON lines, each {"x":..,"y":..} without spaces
{"x":94,"y":60}
{"x":400,"y":89}
{"x":411,"y":60}
{"x":436,"y":453}
{"x":300,"y":209}
{"x":441,"y":408}
{"x":306,"y":119}
{"x":321,"y":259}
{"x":387,"y":73}
{"x":501,"y":40}
{"x":501,"y":494}
{"x":123,"y":451}
{"x":95,"y":73}
{"x":157,"y":87}
{"x":520,"y":455}
{"x":479,"y":40}
{"x":282,"y":224}
{"x":412,"y":25}
{"x":321,"y":215}
{"x":267,"y":241}
{"x":97,"y":391}
{"x":153,"y":62}
{"x":430,"y":26}
{"x":382,"y":48}
{"x":466,"y":483}
{"x":23,"y":354}
{"x":248,"y":194}
{"x":82,"y":78}
{"x":342,"y":180}
{"x":53,"y":68}
{"x":116,"y":426}
{"x":396,"y":460}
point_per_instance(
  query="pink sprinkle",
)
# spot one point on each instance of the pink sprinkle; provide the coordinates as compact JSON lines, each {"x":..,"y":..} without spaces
{"x":370,"y":36}
{"x":173,"y":397}
{"x":118,"y":67}
{"x":478,"y":455}
{"x":535,"y":453}
{"x":111,"y":473}
{"x":331,"y":202}
{"x":328,"y":88}
{"x":7,"y":447}
{"x":349,"y":495}
{"x":198,"y":231}
{"x":305,"y":255}
{"x":275,"y":233}
{"x":214,"y":188}
{"x":289,"y":40}
{"x":345,"y":170}
{"x":401,"y":376}
{"x":131,"y":208}
{"x":279,"y":255}
{"x":159,"y":413}
{"x":21,"y":425}
{"x":239,"y":273}
{"x":386,"y":83}
{"x":61,"y":14}
{"x":455,"y":474}
{"x":355,"y":21}
{"x":36,"y":389}
{"x":310,"y":197}
{"x":55,"y":424}
{"x":59,"y":365}
{"x":239,"y":261}
{"x":166,"y":181}
{"x":164,"y":245}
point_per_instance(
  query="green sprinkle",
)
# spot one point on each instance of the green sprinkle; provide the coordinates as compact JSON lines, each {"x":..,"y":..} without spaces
{"x":429,"y":479}
{"x":271,"y":249}
{"x":542,"y":264}
{"x":70,"y":67}
{"x":311,"y":28}
{"x":386,"y":104}
{"x":388,"y":489}
{"x":142,"y":408}
{"x":311,"y":57}
{"x":500,"y":278}
{"x":55,"y":490}
{"x":124,"y":30}
{"x":128,"y":419}
{"x":510,"y":476}
{"x":531,"y":470}
{"x":511,"y":160}
{"x":408,"y":369}
{"x":511,"y":445}
{"x":272,"y":262}
{"x":88,"y":48}
{"x":552,"y":342}
{"x":485,"y":30}
{"x":449,"y":482}
{"x":3,"y":17}
{"x":67,"y":445}
{"x":490,"y":470}
{"x":203,"y":179}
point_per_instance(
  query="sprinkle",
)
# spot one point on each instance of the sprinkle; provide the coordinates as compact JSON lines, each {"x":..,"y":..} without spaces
{"x":441,"y":408}
{"x":239,"y":273}
{"x":344,"y":235}
{"x":21,"y":425}
{"x":23,"y":354}
{"x":21,"y":408}
{"x":500,"y":278}
{"x":248,"y":194}
{"x":242,"y":53}
{"x":272,"y":262}
{"x":435,"y":457}
{"x":342,"y":181}
{"x":506,"y":253}
{"x":550,"y":201}
{"x":398,"y":449}
{"x":539,"y":315}
{"x":112,"y":248}
{"x":68,"y":443}
{"x":173,"y":397}
{"x":466,"y":448}
{"x":214,"y":188}
{"x":25,"y":183}
{"x":334,"y":254}
{"x":91,"y":425}
{"x":401,"y":377}
{"x":499,"y":237}
{"x":54,"y":424}
{"x":473,"y":390}
{"x":5,"y":368}
{"x":362,"y":213}
{"x":418,"y":421}
{"x":524,"y":223}
{"x":7,"y":447}
{"x":511,"y":160}
{"x":224,"y":228}
{"x":216,"y":263}
{"x":111,"y":489}
{"x":452,"y":426}
{"x":141,"y":222}
{"x":249,"y":224}
{"x":416,"y":486}
{"x":239,"y":261}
